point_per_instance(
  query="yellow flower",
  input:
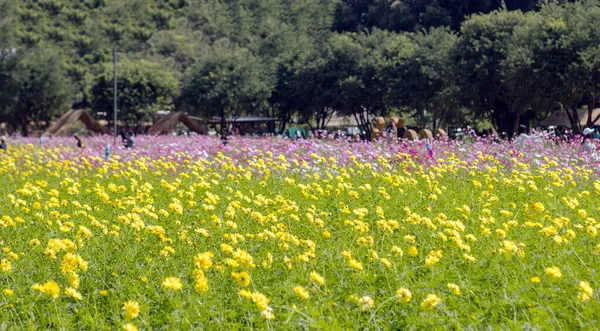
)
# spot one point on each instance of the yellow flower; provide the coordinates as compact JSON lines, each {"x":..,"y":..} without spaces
{"x":553,"y":272}
{"x":469,"y":258}
{"x":72,"y":262}
{"x":172,"y":283}
{"x":245,"y":294}
{"x":403,"y":295}
{"x":397,"y":251}
{"x":430,"y":302}
{"x":261,"y":301}
{"x":34,"y":242}
{"x":302,"y":292}
{"x":8,"y":292}
{"x":267,"y":313}
{"x":242,"y":278}
{"x":535,"y":279}
{"x":51,"y":288}
{"x":355,"y":264}
{"x":317,"y":278}
{"x":71,"y":292}
{"x":585,"y":291}
{"x":130,"y":327}
{"x":132,"y":310}
{"x":537,"y":207}
{"x":204,"y":260}
{"x":413,"y":251}
{"x":201,"y":284}
{"x":347,"y":254}
{"x":386,"y":262}
{"x":410,"y":239}
{"x":365,"y":303}
{"x":454,"y":288}
{"x":103,"y":293}
{"x":73,"y":280}
{"x":5,"y":266}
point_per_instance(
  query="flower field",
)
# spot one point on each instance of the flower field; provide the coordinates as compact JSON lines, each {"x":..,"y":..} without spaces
{"x":184,"y":233}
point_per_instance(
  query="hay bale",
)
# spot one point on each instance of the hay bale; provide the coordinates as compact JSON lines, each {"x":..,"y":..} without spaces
{"x":380,"y":123}
{"x":440,"y":133}
{"x":400,"y":122}
{"x":425,"y":134}
{"x":410,"y":135}
{"x":375,"y":134}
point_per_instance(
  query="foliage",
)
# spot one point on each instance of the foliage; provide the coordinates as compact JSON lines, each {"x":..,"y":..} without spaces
{"x":415,"y":15}
{"x":228,"y":81}
{"x":270,"y":234}
{"x":34,"y":87}
{"x":143,"y":88}
{"x":481,"y":69}
{"x":443,"y":62}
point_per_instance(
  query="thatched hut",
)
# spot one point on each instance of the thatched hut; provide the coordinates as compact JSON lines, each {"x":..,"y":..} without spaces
{"x":169,"y":123}
{"x":61,"y":126}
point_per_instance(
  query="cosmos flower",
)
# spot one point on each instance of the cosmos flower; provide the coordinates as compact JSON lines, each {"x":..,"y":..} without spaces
{"x":172,"y":283}
{"x":301,"y":292}
{"x":131,"y":309}
{"x":403,"y":295}
{"x":430,"y":302}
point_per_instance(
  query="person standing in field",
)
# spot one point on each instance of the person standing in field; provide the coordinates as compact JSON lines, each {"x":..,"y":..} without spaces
{"x":79,"y":141}
{"x":587,"y":144}
{"x":3,"y":145}
{"x":391,"y":130}
{"x":523,"y":137}
{"x":130,"y":139}
{"x":123,"y":137}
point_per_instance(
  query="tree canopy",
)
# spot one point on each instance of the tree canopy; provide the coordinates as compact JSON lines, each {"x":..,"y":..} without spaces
{"x":442,"y":62}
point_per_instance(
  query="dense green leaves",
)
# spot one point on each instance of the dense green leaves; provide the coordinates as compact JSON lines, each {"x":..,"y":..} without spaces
{"x":442,"y":62}
{"x":143,"y":88}
{"x":34,"y":87}
{"x":226,"y":81}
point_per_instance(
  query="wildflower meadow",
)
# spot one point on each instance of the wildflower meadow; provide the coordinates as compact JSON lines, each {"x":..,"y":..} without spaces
{"x":185,"y":233}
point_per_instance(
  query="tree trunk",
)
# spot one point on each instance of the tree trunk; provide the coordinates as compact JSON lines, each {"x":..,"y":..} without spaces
{"x":24,"y":123}
{"x":505,"y":120}
{"x":591,"y":106}
{"x":515,"y":127}
{"x":574,"y":119}
{"x":363,"y":122}
{"x":223,"y":124}
{"x":437,"y":120}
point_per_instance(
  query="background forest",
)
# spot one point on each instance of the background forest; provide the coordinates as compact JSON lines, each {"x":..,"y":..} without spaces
{"x":441,"y":62}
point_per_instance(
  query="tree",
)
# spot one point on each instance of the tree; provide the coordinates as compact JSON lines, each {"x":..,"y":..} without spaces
{"x":419,"y":73}
{"x":481,"y":70}
{"x":326,"y":75}
{"x":415,"y":15}
{"x":227,"y":81}
{"x":143,"y":88}
{"x":34,"y":87}
{"x":7,"y":22}
{"x":555,"y":59}
{"x":363,"y":92}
